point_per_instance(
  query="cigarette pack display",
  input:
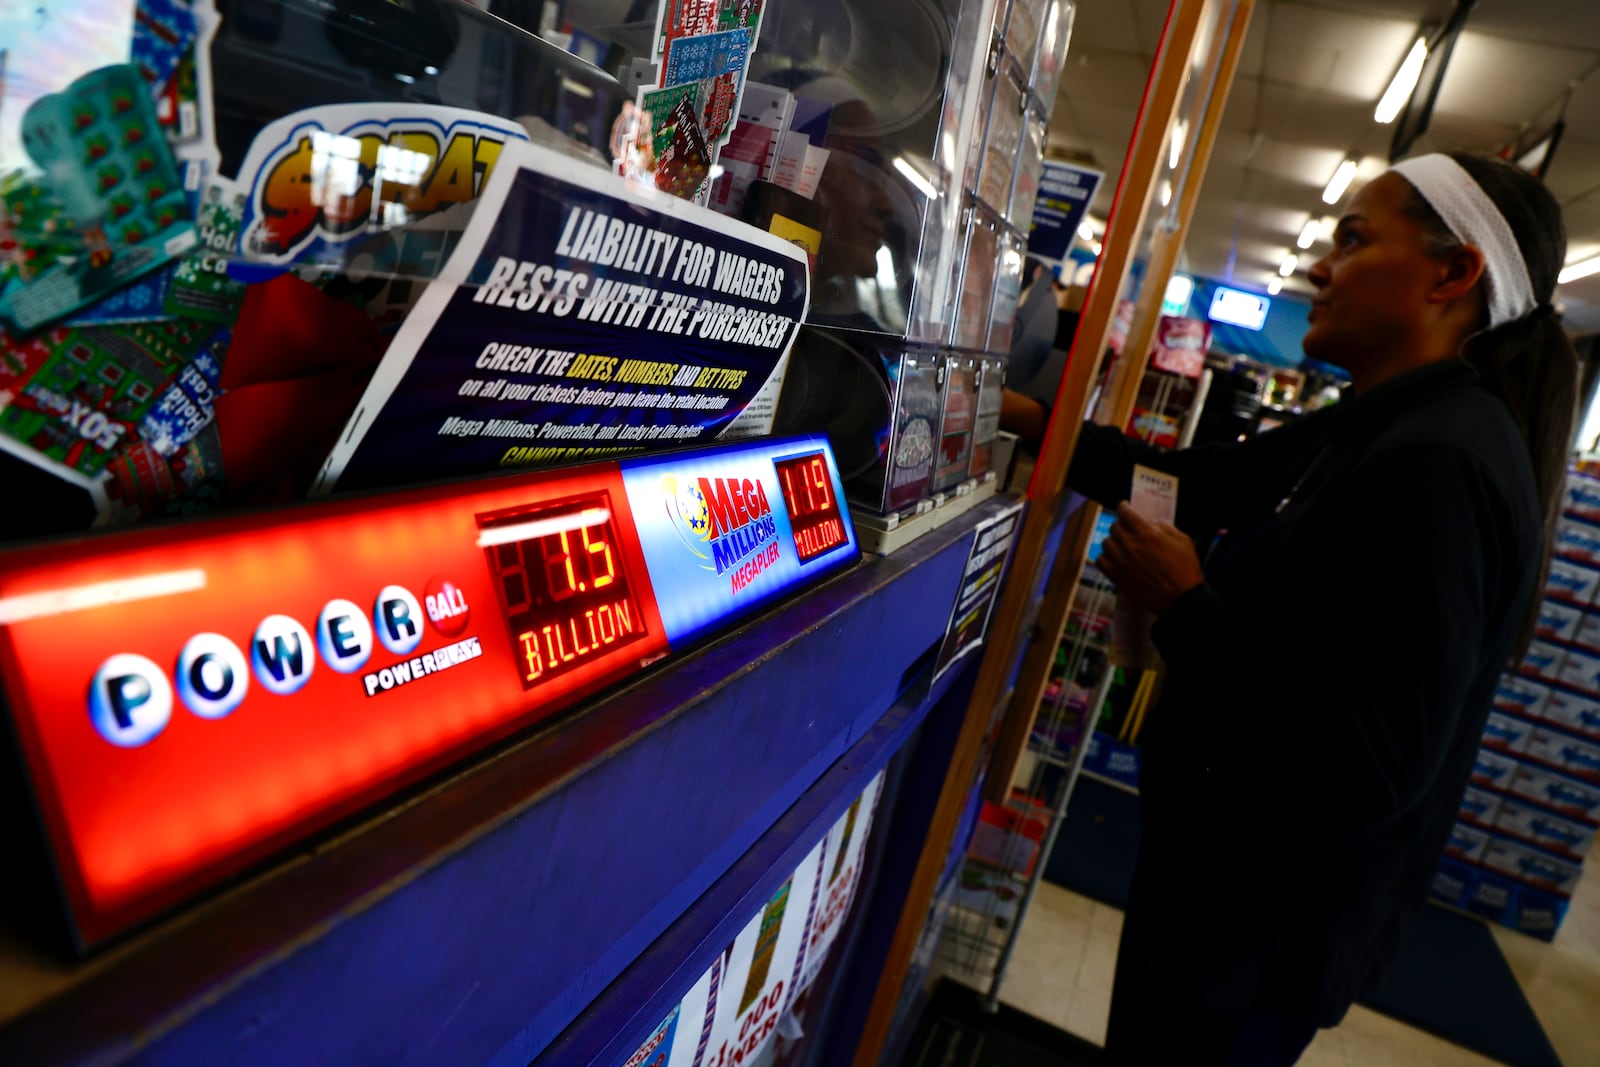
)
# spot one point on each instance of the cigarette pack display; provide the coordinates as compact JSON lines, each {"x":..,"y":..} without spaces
{"x":1556,"y":791}
{"x":1536,"y":913}
{"x":1467,"y":843}
{"x":1544,"y":659}
{"x":1580,"y":669}
{"x":1578,"y":541}
{"x":1504,"y":733}
{"x":1559,"y":622}
{"x":1521,"y":695}
{"x":1568,"y":581}
{"x":1578,"y":758}
{"x":1493,"y":770}
{"x":1564,"y":837}
{"x":1492,"y":894}
{"x":1479,"y":807}
{"x":1453,"y":882}
{"x":1577,"y":713}
{"x":1582,"y":498}
{"x":1531,"y":866}
{"x":1588,"y":634}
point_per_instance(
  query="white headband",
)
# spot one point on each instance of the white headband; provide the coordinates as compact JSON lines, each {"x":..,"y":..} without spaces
{"x":1474,"y":220}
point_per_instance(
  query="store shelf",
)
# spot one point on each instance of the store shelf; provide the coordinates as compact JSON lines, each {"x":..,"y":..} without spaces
{"x":478,"y":916}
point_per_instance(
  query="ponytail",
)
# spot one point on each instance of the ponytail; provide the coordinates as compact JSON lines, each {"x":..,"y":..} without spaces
{"x":1531,"y":364}
{"x":1529,"y":361}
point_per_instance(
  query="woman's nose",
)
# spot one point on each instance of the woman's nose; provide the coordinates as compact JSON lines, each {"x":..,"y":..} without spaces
{"x":1318,"y":273}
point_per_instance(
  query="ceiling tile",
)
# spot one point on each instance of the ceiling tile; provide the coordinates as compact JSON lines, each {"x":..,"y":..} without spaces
{"x":1243,"y":101}
{"x":1151,"y":18}
{"x":1106,"y":25}
{"x":1583,"y":111}
{"x":1575,"y":173}
{"x":1252,"y":58}
{"x":1335,"y":52}
{"x":1293,"y":114}
{"x":1552,"y":22}
{"x":1508,"y":81}
{"x":1106,"y":77}
{"x":1451,"y":133}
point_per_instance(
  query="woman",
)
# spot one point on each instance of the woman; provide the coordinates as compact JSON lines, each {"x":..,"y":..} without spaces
{"x":1369,"y":571}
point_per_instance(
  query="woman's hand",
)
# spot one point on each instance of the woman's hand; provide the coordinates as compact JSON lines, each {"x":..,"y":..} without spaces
{"x":1151,"y":563}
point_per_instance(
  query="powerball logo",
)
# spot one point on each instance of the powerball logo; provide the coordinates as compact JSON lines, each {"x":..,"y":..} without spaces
{"x":727,"y":523}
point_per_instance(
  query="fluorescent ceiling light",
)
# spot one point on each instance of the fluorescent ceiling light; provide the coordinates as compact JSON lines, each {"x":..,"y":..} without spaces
{"x":916,"y":178}
{"x":1583,"y":268}
{"x":1290,"y":265}
{"x":1274,"y":287}
{"x":1404,"y":84}
{"x":1308,"y":236}
{"x":1339,"y":182}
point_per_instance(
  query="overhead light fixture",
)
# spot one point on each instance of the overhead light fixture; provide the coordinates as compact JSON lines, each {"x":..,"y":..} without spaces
{"x":1308,"y":236}
{"x":1274,"y":287}
{"x":1339,"y":182}
{"x":1290,"y":265}
{"x":1180,"y":133}
{"x":1404,"y":84}
{"x":1085,"y":230}
{"x":1583,"y":268}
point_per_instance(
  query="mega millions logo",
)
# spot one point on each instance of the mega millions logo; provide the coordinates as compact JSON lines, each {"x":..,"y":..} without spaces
{"x":724,"y":522}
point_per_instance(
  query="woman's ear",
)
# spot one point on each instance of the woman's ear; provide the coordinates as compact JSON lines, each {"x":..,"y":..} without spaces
{"x":1462,"y":268}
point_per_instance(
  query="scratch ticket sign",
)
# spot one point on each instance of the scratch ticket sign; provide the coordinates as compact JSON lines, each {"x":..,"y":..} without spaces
{"x":319,"y":179}
{"x":577,"y":317}
{"x":980,"y":585}
{"x":736,"y":1010}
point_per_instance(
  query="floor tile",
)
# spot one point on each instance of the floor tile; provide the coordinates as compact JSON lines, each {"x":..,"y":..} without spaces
{"x":1043,"y":977}
{"x":1562,"y":979}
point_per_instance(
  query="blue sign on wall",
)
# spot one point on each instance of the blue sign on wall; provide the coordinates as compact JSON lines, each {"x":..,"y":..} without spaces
{"x":1065,"y":192}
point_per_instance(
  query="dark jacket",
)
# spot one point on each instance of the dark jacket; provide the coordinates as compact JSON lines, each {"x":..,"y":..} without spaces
{"x":1328,"y":687}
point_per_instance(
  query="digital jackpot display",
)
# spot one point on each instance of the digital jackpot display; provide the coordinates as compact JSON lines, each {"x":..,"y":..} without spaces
{"x":813,"y":505}
{"x":563,"y":584}
{"x":191,"y":700}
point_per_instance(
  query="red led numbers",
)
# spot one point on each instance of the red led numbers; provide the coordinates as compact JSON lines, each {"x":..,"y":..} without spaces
{"x":564,"y":587}
{"x":812,"y":504}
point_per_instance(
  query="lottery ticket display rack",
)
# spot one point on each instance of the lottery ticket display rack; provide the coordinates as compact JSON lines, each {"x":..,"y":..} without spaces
{"x":616,"y":844}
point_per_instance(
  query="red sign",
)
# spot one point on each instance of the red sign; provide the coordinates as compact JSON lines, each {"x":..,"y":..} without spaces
{"x":1181,"y":346}
{"x":383,"y":623}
